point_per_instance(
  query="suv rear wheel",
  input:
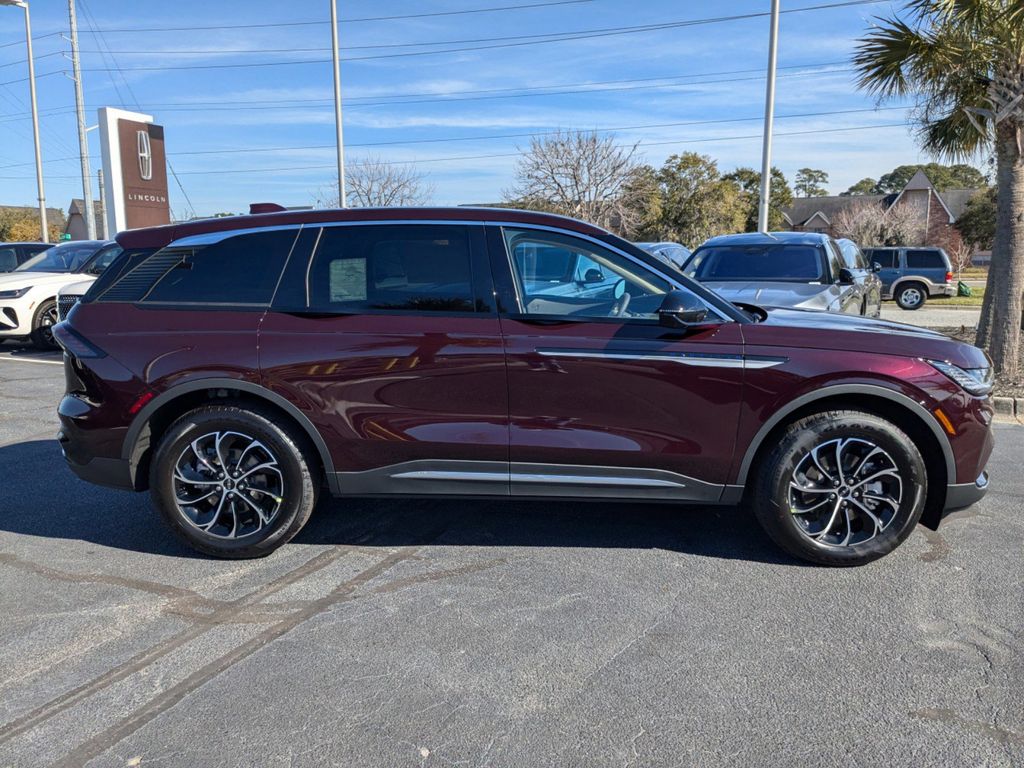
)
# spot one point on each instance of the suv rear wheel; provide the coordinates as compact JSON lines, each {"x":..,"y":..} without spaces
{"x":841,"y":488}
{"x":911,"y":296}
{"x":232,"y":482}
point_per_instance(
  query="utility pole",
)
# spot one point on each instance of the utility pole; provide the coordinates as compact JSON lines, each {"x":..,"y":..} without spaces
{"x":103,"y":206}
{"x":83,"y":141}
{"x":43,"y":233}
{"x":337,"y":104}
{"x":769,"y":119}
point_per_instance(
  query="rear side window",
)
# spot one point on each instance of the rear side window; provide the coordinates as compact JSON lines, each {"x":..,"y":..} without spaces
{"x":243,"y":269}
{"x":423,"y":268}
{"x":8,"y":259}
{"x":889,"y":258}
{"x":925,"y":260}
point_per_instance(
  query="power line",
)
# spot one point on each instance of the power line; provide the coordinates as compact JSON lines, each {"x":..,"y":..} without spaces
{"x":520,"y":41}
{"x":465,"y":12}
{"x":534,"y":134}
{"x":710,"y":140}
{"x":495,"y":93}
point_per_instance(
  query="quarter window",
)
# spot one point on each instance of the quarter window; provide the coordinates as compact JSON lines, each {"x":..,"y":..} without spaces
{"x":422,"y":268}
{"x":8,"y":259}
{"x":239,"y":270}
{"x":925,"y":260}
{"x":563,"y":276}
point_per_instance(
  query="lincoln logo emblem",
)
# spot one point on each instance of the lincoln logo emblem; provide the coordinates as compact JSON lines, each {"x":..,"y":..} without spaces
{"x":145,"y":156}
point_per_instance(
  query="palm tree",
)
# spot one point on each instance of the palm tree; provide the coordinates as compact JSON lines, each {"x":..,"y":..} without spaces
{"x":963,"y":62}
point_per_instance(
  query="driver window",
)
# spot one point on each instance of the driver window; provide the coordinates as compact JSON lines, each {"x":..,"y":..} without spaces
{"x":562,"y":276}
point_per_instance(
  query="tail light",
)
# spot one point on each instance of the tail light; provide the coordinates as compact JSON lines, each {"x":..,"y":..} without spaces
{"x":74,"y":344}
{"x":949,"y":277}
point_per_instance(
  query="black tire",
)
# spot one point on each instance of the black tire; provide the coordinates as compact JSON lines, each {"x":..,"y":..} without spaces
{"x":42,"y":322}
{"x":911,"y":296}
{"x":773,"y":502}
{"x":285,"y":444}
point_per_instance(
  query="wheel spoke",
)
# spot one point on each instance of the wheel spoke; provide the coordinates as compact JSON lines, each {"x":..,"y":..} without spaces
{"x":256,"y":508}
{"x":879,"y":526}
{"x":883,"y":473}
{"x":803,"y":489}
{"x":817,"y":464}
{"x":839,"y":460}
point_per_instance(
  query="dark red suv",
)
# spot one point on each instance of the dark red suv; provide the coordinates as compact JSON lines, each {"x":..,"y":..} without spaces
{"x":237,"y":366}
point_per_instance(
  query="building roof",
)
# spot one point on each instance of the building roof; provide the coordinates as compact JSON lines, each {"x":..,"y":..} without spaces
{"x":157,"y":237}
{"x":804,"y":209}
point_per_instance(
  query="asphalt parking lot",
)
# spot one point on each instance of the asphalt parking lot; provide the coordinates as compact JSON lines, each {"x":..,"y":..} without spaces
{"x":434,"y":633}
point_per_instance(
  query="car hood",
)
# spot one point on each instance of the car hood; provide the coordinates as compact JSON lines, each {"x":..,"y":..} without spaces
{"x":13,"y":280}
{"x":853,"y":333}
{"x":773,"y":294}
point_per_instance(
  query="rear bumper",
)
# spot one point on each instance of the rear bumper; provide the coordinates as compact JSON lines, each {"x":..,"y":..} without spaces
{"x":960,"y":495}
{"x":81,"y":453}
{"x":947,"y":289}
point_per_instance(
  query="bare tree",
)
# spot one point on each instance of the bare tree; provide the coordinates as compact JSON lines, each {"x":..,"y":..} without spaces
{"x":579,"y":174}
{"x":868,"y":224}
{"x":376,"y":183}
{"x":961,"y":255}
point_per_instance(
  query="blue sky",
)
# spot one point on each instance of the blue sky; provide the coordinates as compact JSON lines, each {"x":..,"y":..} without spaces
{"x":442,"y":110}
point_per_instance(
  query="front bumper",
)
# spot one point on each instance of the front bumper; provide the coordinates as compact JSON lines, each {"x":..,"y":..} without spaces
{"x":960,"y":495}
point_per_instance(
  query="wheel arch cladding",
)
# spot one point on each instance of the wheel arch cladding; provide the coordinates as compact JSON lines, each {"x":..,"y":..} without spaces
{"x":905,"y":413}
{"x":161,"y":412}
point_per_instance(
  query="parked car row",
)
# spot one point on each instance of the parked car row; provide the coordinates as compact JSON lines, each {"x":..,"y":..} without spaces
{"x":29,"y":294}
{"x":502,"y":353}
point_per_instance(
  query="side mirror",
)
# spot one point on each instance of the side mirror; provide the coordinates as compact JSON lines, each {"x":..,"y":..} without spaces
{"x":682,"y":309}
{"x":876,"y":267}
{"x":846,"y":277}
{"x":592,"y":276}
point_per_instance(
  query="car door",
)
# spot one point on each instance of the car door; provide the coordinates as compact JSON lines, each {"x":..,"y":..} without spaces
{"x":847,"y":295}
{"x":889,"y":260}
{"x":603,"y":400}
{"x":387,"y":340}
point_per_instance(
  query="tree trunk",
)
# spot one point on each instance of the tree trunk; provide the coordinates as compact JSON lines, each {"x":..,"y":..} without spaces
{"x":1006,"y":275}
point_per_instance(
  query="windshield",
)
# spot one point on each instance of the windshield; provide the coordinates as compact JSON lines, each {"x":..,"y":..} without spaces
{"x":69,"y":257}
{"x":103,"y":259}
{"x":790,"y":263}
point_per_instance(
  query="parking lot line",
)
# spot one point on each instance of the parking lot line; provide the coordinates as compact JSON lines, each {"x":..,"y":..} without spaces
{"x":12,"y":358}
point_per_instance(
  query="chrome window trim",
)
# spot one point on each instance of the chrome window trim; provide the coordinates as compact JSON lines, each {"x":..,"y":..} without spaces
{"x":210,"y":238}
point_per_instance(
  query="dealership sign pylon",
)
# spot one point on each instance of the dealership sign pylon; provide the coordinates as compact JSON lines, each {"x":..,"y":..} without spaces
{"x":135,"y":170}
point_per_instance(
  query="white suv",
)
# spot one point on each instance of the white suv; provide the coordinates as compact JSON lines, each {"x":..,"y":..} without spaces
{"x":28,"y":295}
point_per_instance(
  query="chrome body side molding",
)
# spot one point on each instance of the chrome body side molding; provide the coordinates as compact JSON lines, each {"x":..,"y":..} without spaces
{"x":694,"y":359}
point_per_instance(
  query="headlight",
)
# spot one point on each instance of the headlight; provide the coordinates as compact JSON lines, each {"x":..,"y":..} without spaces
{"x":16,"y":293}
{"x":976,"y":381}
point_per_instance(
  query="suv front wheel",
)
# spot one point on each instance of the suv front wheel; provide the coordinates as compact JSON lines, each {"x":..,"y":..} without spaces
{"x":232,"y":482}
{"x":841,"y":488}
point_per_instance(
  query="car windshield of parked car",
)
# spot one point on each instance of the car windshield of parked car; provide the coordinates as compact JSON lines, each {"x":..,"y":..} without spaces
{"x":70,"y":257}
{"x":789,"y":263}
{"x":102,"y":259}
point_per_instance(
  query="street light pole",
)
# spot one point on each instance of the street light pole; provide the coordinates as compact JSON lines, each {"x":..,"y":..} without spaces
{"x":83,"y":141}
{"x":337,"y":104}
{"x":769,"y":119}
{"x":35,"y":117}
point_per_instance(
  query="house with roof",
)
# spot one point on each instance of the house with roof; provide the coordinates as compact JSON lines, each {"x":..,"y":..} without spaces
{"x":76,"y":225}
{"x":940,"y":210}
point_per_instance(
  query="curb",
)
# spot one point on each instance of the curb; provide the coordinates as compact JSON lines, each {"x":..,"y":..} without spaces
{"x":1009,"y":409}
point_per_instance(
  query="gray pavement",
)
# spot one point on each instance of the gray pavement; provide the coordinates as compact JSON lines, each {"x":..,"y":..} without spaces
{"x":932,"y":315}
{"x":435,"y":633}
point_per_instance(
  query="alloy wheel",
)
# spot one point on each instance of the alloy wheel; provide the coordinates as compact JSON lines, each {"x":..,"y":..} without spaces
{"x":844,"y":492}
{"x":46,"y":322}
{"x":911,"y":296}
{"x":228,"y":485}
